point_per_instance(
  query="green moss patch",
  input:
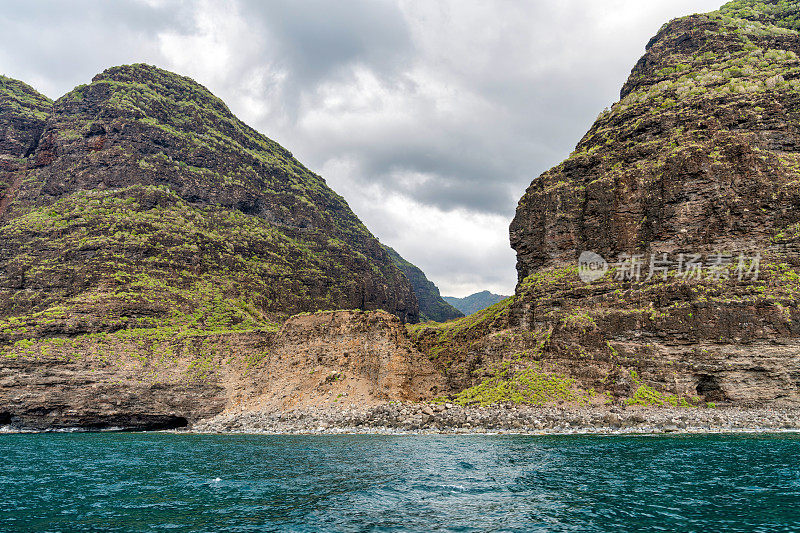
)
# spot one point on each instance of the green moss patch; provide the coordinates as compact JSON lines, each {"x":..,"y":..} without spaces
{"x":648,"y":396}
{"x":531,"y":386}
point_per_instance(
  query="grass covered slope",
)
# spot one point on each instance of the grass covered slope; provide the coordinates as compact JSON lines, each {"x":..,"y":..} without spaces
{"x":431,"y":304}
{"x":147,"y":202}
{"x":458,"y":347}
{"x":780,"y":13}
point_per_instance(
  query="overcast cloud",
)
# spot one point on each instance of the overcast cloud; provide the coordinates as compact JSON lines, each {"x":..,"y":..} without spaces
{"x":429,"y":117}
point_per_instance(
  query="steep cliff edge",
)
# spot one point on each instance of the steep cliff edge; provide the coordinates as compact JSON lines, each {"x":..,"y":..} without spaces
{"x":700,"y":157}
{"x":689,"y":188}
{"x":146,"y":203}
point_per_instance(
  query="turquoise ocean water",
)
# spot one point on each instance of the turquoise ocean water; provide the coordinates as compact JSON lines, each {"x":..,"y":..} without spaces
{"x":172,"y":482}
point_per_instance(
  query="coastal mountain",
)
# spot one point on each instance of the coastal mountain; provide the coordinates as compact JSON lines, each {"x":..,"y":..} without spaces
{"x":682,"y":202}
{"x":154,"y":248}
{"x":431,"y":304}
{"x":140,"y":200}
{"x":475,"y":302}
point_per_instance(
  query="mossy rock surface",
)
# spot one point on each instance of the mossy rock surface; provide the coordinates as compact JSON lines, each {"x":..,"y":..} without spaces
{"x":23,"y":113}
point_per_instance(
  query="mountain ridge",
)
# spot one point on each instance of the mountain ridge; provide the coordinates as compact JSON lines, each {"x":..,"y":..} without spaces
{"x":162,"y":261}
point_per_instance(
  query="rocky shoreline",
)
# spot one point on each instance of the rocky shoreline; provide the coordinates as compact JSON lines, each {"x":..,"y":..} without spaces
{"x":399,"y":418}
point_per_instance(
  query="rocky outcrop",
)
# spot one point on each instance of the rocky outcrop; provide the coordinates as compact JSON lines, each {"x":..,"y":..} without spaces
{"x":147,"y":203}
{"x":431,"y":304}
{"x":167,"y":378}
{"x":700,"y":156}
{"x":23,"y":113}
{"x":349,"y":357}
{"x":686,"y":187}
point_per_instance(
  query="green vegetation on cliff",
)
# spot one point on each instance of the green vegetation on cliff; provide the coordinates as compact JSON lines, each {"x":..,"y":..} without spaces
{"x":143,"y":249}
{"x":437,"y":339}
{"x":527,"y":385}
{"x":23,"y":112}
{"x":146,"y":203}
{"x":782,"y":13}
{"x":18,"y":99}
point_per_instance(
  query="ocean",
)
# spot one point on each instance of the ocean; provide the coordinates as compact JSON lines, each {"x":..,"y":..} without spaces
{"x":137,"y":482}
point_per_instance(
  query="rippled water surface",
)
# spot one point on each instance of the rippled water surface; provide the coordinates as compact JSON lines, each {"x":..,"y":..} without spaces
{"x":170,"y":482}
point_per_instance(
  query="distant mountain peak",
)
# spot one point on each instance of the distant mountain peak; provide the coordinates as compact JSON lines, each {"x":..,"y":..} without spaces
{"x":431,"y":304}
{"x":475,"y":302}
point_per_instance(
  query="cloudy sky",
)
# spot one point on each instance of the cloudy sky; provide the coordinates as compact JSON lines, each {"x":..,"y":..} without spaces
{"x":429,"y":116}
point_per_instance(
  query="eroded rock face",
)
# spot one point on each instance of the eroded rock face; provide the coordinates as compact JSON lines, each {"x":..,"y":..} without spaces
{"x":23,"y":113}
{"x":157,"y":379}
{"x":701,"y":155}
{"x":347,"y":357}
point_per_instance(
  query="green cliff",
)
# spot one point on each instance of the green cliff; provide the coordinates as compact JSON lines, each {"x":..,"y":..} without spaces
{"x":688,"y":187}
{"x":23,"y":112}
{"x":141,"y":201}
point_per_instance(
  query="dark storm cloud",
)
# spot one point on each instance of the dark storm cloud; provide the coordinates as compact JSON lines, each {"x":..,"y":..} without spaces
{"x":456,"y":192}
{"x":315,"y":38}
